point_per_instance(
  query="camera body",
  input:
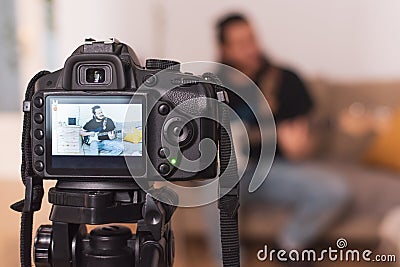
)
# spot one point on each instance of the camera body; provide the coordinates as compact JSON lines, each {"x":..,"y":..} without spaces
{"x":102,"y":84}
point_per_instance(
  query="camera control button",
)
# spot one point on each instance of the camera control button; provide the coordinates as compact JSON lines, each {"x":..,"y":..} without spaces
{"x":38,"y":117}
{"x":164,"y":168}
{"x":150,"y":80}
{"x":163,"y":152}
{"x":39,"y":166}
{"x":38,"y":102}
{"x":39,"y":134}
{"x":39,"y":150}
{"x":163,"y":109}
{"x":176,"y":130}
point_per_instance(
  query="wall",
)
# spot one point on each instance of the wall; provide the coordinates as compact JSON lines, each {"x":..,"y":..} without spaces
{"x":31,"y":39}
{"x":8,"y":57}
{"x":342,"y":40}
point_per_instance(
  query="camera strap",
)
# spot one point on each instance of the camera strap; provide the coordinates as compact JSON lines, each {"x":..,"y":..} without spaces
{"x":229,"y":203}
{"x":33,"y":185}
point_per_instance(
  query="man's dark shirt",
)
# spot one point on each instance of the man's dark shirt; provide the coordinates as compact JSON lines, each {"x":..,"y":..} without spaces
{"x":95,"y":126}
{"x":292,"y":99}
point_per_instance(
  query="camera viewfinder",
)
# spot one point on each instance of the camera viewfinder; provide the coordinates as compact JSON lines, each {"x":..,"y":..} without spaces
{"x":95,"y":75}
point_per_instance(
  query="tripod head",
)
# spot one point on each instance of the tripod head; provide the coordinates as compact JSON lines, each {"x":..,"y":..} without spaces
{"x":67,"y":243}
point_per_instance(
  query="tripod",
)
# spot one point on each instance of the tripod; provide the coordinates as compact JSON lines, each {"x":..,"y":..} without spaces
{"x":66,"y":243}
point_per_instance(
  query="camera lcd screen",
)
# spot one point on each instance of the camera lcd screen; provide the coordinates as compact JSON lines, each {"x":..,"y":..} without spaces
{"x":92,"y":134}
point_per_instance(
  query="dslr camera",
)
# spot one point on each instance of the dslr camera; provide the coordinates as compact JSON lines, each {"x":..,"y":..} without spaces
{"x":89,"y":119}
{"x":91,"y":126}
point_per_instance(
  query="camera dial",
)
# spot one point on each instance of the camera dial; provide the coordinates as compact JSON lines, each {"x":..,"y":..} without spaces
{"x":162,"y":64}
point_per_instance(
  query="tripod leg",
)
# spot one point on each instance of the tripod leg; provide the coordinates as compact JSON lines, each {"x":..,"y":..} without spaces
{"x":62,"y":243}
{"x":150,"y":255}
{"x":157,"y":253}
{"x":156,"y":240}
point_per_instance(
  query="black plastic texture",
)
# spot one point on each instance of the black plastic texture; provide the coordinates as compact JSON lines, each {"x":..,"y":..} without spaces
{"x":162,"y":64}
{"x":98,"y":207}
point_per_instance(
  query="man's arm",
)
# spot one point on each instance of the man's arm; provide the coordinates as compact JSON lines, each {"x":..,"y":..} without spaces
{"x":85,"y":130}
{"x":295,"y":138}
{"x":110,"y":127}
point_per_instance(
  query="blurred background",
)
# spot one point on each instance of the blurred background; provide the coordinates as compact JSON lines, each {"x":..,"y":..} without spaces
{"x":347,"y":53}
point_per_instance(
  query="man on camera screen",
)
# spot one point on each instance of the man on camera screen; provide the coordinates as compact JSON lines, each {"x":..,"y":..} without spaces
{"x":99,"y":134}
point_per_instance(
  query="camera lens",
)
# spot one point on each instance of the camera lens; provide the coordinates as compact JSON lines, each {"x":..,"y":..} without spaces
{"x":95,"y":75}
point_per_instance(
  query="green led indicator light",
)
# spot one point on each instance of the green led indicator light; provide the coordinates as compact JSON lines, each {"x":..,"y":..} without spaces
{"x":173,"y":161}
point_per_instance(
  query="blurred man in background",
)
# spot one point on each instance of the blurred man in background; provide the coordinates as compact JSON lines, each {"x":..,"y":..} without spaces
{"x":316,"y":196}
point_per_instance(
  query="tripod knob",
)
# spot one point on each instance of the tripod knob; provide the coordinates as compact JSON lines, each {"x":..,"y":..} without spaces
{"x":42,"y":246}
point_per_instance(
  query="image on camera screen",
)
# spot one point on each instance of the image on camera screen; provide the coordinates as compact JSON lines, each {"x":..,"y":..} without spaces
{"x":95,"y":126}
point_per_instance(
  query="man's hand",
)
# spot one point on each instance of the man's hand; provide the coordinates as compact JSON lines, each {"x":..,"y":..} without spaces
{"x":295,"y":139}
{"x":111,"y":135}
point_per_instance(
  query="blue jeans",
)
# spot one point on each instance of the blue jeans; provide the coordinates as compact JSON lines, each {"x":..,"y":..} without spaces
{"x":107,"y":147}
{"x":317,"y":197}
